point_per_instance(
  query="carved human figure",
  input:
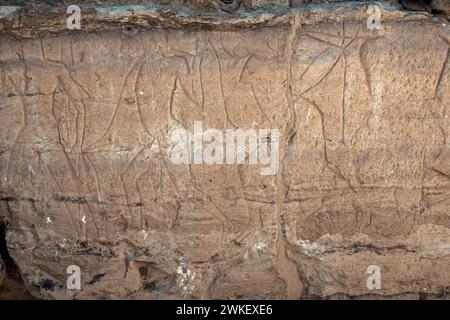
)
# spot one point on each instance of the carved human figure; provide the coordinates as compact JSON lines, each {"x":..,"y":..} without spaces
{"x":38,"y":160}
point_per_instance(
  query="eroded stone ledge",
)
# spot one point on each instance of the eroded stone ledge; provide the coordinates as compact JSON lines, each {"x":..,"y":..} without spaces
{"x":35,"y":20}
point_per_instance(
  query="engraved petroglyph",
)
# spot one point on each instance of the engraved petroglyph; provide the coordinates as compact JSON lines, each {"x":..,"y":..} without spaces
{"x":363,"y":174}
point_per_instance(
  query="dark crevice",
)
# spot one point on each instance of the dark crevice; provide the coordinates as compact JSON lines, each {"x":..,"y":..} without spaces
{"x":435,"y":7}
{"x":11,"y":268}
{"x":416,"y":5}
{"x":13,"y":286}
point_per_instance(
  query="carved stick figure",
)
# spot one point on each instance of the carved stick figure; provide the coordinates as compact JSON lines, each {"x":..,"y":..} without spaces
{"x":38,"y":154}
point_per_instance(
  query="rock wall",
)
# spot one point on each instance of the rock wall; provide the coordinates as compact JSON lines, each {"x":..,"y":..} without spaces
{"x":87,"y":177}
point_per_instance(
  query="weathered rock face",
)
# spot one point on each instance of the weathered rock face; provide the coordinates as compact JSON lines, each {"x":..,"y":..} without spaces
{"x":87,"y":177}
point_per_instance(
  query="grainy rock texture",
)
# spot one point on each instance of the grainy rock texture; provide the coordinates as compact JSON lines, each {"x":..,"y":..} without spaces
{"x":364,"y":177}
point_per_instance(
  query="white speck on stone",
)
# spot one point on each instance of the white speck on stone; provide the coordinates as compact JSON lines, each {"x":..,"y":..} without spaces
{"x":310,"y":248}
{"x":259,"y":246}
{"x":155,"y":146}
{"x":303,"y":243}
{"x":83,"y":219}
{"x":62,"y":243}
{"x":48,"y":220}
{"x":141,"y":92}
{"x":30,"y":169}
{"x":186,"y":278}
{"x":145,"y":234}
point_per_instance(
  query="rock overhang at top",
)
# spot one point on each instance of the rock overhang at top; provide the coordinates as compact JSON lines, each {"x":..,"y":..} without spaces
{"x":39,"y":17}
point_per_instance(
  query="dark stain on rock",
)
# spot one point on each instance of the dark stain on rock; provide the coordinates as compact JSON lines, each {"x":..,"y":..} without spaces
{"x":47,"y":284}
{"x":96,"y":278}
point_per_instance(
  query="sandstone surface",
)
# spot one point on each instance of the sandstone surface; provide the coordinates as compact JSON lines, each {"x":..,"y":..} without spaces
{"x":363,"y":180}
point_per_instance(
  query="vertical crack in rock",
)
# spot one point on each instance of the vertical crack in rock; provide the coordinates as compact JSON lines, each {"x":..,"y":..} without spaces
{"x":287,"y":268}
